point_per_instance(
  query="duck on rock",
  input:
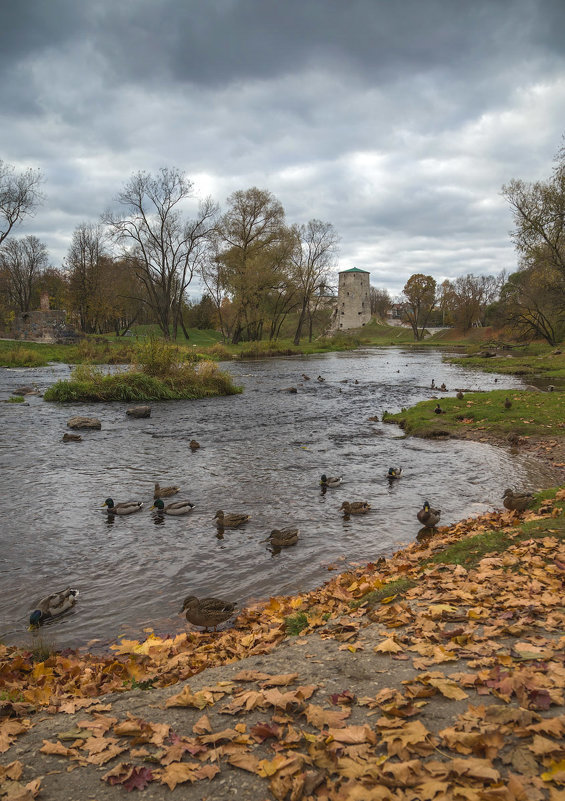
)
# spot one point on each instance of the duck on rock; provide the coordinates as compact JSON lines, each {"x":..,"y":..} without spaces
{"x":516,"y":501}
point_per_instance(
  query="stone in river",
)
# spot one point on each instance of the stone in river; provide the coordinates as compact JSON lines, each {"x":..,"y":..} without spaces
{"x":139,"y":411}
{"x":84,"y":422}
{"x":72,"y":438}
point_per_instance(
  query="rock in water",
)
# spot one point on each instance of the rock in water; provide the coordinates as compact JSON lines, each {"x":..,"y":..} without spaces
{"x":72,"y":438}
{"x":84,"y":422}
{"x":139,"y":411}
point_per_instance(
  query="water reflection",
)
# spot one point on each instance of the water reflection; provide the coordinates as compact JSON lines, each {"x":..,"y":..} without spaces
{"x":261,"y":453}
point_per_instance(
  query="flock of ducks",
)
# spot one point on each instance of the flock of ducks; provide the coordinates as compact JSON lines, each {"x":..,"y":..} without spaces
{"x":210,"y":612}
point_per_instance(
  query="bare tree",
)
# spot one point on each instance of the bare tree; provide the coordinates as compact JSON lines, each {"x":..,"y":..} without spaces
{"x":19,"y":196}
{"x":380,"y":301}
{"x":23,"y":260}
{"x":165,"y":248}
{"x":84,"y":261}
{"x":313,"y":257}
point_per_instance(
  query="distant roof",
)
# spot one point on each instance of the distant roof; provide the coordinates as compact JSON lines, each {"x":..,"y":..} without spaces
{"x":354,"y":270}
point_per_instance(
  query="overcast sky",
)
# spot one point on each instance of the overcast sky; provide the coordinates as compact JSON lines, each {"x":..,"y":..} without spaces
{"x":396,"y":120}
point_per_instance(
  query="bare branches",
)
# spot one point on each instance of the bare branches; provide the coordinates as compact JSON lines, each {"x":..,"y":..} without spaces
{"x":19,"y":196}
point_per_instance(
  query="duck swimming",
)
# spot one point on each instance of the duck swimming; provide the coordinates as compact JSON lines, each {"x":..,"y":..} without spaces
{"x":174,"y":508}
{"x":394,"y":472}
{"x":330,"y":481}
{"x":164,"y":492}
{"x":125,"y":508}
{"x":230,"y":521}
{"x":53,"y":605}
{"x":355,"y":508}
{"x":283,"y":537}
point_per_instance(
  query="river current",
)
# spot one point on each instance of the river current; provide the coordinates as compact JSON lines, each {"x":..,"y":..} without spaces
{"x":262,"y":452}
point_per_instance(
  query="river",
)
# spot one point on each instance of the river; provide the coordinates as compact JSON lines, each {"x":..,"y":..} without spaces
{"x":262,"y":452}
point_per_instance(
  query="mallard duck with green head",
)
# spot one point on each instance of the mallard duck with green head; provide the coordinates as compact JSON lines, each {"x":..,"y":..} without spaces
{"x":55,"y":604}
{"x":394,"y":472}
{"x":355,"y":507}
{"x":330,"y":481}
{"x":206,"y":611}
{"x":231,"y":520}
{"x":124,"y":508}
{"x":174,"y":508}
{"x":281,"y":537}
{"x":427,"y":516}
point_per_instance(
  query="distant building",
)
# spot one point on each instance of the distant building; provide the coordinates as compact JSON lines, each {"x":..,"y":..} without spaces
{"x":43,"y":325}
{"x":353,"y":308}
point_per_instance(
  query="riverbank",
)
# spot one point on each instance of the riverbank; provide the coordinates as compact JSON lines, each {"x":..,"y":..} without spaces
{"x":534,"y":421}
{"x":436,"y":673}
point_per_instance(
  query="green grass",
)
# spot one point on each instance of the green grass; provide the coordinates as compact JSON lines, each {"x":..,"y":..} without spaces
{"x":397,"y":587}
{"x":470,"y":551}
{"x":16,"y":399}
{"x":533,"y":360}
{"x":295,"y":623}
{"x":180,"y":382}
{"x":537,"y":413}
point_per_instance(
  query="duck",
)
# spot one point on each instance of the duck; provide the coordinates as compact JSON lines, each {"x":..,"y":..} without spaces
{"x":282,"y":537}
{"x":394,"y":472}
{"x":507,"y":403}
{"x":206,"y":611}
{"x":443,"y":388}
{"x":164,"y":492}
{"x":459,"y":395}
{"x":516,"y":501}
{"x":193,"y":445}
{"x":355,"y":507}
{"x":124,"y":508}
{"x":55,"y":604}
{"x":320,"y":378}
{"x":330,"y":481}
{"x":174,"y":508}
{"x":305,"y":377}
{"x":230,"y":521}
{"x":427,"y":516}
{"x":438,"y":409}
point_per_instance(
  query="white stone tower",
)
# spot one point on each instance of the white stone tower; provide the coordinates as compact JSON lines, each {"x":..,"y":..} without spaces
{"x":353,"y":303}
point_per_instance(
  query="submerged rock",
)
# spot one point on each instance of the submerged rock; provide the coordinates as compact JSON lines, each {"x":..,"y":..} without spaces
{"x":139,"y":411}
{"x":84,"y":422}
{"x":25,"y":391}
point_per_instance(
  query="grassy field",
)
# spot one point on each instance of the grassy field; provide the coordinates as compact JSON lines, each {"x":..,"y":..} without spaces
{"x":532,"y":360}
{"x":538,"y":413}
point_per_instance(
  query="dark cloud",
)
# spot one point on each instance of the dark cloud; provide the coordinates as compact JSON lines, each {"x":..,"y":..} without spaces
{"x":397,"y":122}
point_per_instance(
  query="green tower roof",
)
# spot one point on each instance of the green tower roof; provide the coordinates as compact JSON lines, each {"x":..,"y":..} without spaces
{"x":354,"y":270}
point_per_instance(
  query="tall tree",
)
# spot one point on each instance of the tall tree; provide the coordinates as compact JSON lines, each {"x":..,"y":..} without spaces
{"x":19,"y":196}
{"x":312,"y":259}
{"x":419,"y":299}
{"x":253,"y":257}
{"x":84,"y":261}
{"x":23,"y":260}
{"x":164,"y":246}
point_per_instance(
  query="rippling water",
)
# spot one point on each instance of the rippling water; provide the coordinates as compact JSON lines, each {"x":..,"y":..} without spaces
{"x":262,"y":453}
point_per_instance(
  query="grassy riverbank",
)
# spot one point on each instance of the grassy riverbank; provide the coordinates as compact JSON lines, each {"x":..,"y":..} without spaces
{"x":531,"y":413}
{"x":530,"y":360}
{"x":381,"y":695}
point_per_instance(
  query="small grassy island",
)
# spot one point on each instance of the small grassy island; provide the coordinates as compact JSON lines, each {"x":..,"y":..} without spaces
{"x":158,"y":373}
